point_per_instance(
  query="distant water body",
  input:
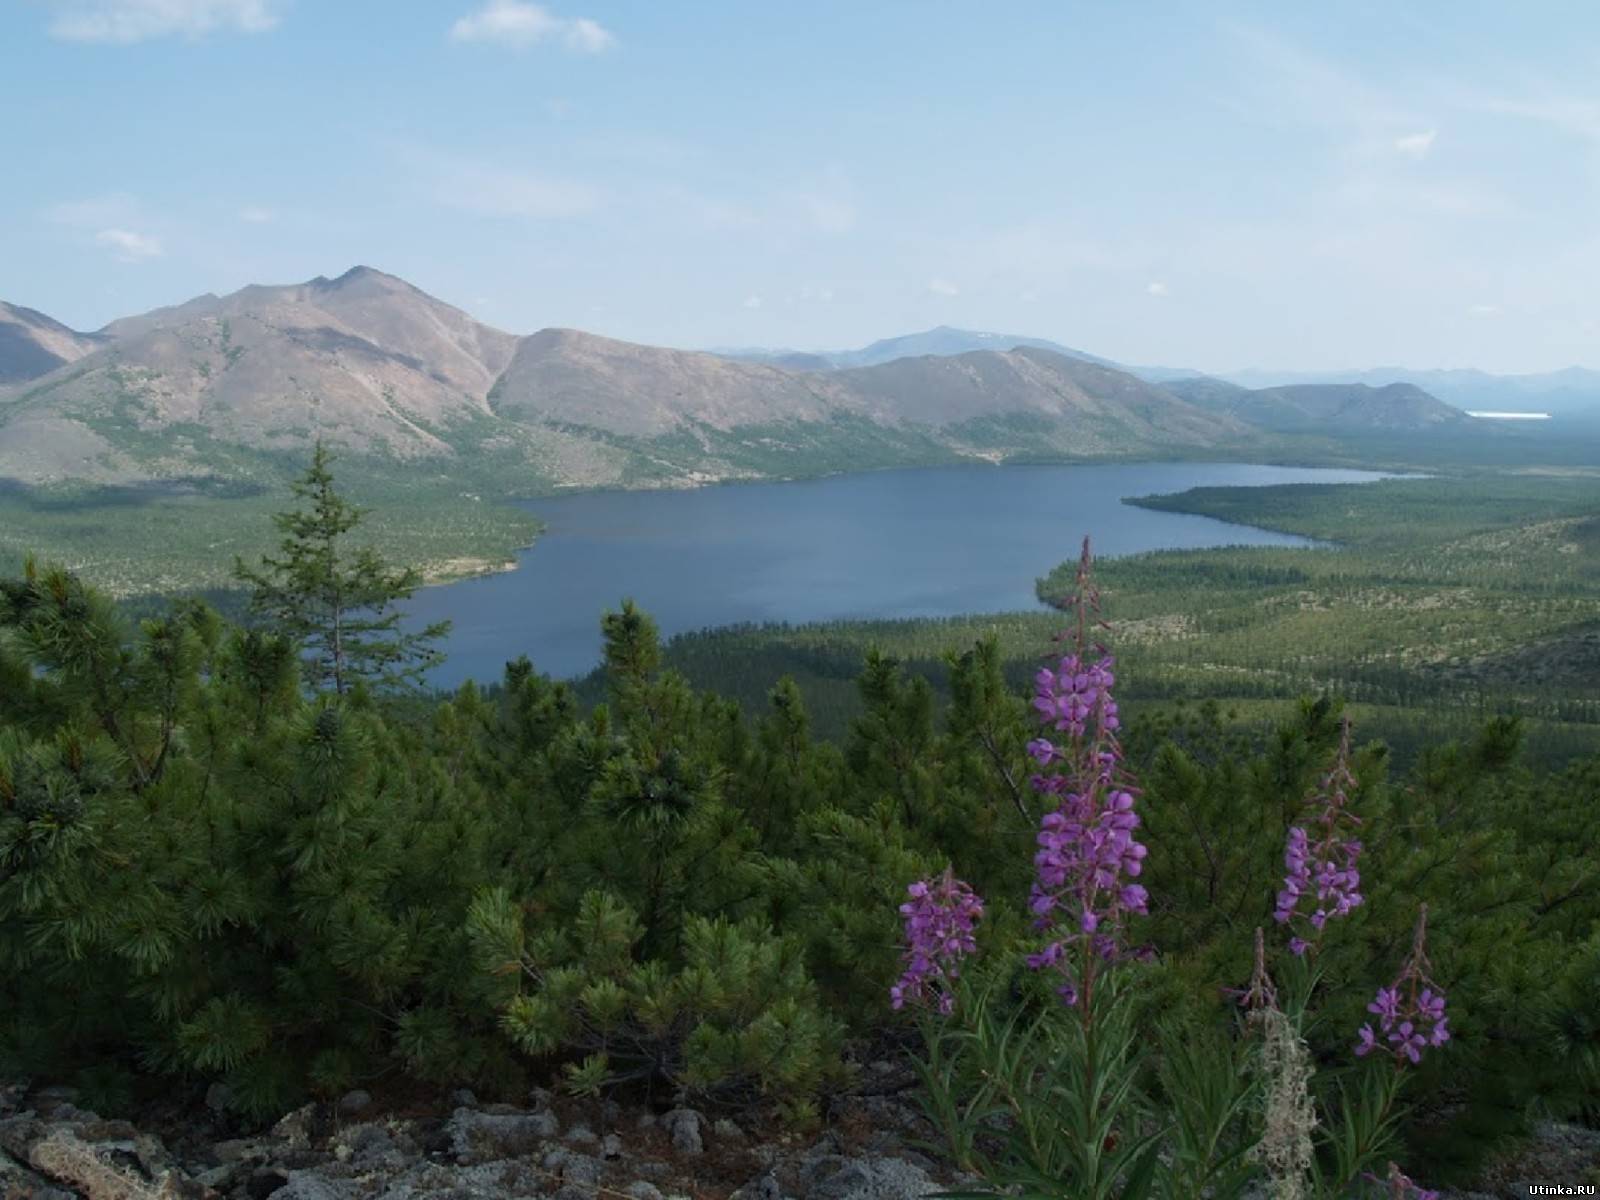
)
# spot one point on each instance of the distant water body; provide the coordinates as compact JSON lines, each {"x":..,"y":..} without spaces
{"x":937,"y":542}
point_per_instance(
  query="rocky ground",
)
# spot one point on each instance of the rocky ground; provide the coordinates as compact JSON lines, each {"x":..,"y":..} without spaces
{"x":51,"y":1149}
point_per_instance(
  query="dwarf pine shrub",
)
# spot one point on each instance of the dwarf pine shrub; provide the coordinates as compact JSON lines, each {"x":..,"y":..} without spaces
{"x":238,"y":875}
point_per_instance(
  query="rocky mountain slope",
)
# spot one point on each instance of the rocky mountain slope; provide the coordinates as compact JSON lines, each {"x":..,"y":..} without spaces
{"x":32,"y":344}
{"x":570,"y":378}
{"x":380,"y":369}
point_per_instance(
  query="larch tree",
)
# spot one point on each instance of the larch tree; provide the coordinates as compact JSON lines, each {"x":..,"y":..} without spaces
{"x":336,"y":599}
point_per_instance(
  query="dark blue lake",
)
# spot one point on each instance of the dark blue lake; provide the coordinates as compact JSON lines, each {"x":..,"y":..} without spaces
{"x":920,"y":543}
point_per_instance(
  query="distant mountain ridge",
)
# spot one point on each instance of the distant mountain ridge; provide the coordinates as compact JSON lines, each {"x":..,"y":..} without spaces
{"x":1568,"y":392}
{"x":1322,"y":408}
{"x":940,"y":341}
{"x":376,"y":367}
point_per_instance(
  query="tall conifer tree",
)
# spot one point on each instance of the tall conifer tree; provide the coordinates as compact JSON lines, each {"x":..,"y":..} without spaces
{"x":338,"y":600}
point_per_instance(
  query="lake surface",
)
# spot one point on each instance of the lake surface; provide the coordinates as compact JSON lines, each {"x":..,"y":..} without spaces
{"x":918,"y":543}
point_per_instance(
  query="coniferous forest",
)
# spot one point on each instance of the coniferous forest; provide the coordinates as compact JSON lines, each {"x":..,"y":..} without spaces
{"x":254,"y":853}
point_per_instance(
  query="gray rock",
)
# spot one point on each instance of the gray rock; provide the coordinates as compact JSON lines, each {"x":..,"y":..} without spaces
{"x":19,"y":1183}
{"x":875,"y":1178}
{"x":237,"y":1150}
{"x":763,"y":1187}
{"x":309,"y":1185}
{"x":367,"y":1145}
{"x":463,"y":1098}
{"x":12,"y":1094}
{"x":581,"y":1135}
{"x":728,"y":1131}
{"x":611,"y":1146}
{"x":646,"y":1121}
{"x":683,"y":1124}
{"x":640,"y":1190}
{"x":354,"y":1101}
{"x":477,"y":1137}
{"x":19,"y":1133}
{"x":582,"y":1170}
{"x":540,"y":1098}
{"x":102,"y":1170}
{"x":294,"y":1129}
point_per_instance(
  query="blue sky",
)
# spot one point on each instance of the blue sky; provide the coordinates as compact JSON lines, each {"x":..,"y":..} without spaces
{"x":1209,"y":184}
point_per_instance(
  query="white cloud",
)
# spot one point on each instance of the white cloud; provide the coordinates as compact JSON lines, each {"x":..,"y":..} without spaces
{"x":107,"y":221}
{"x":128,"y":246}
{"x":943,"y":287}
{"x":1416,"y":145}
{"x":752,"y":301}
{"x":128,"y":21}
{"x":1485,"y":310}
{"x":254,"y":214}
{"x":1157,"y":288}
{"x":520,"y":25}
{"x":588,"y":37}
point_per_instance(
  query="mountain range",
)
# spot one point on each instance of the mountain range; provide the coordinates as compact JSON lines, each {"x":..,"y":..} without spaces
{"x":1574,"y":391}
{"x":942,"y":340}
{"x":378,"y":368}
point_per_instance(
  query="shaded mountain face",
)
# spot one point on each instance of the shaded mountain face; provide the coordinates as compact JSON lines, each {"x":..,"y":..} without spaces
{"x":1071,"y":401}
{"x":568,"y":378}
{"x":376,"y":367}
{"x":365,"y":361}
{"x":1326,"y":408}
{"x":33,"y":345}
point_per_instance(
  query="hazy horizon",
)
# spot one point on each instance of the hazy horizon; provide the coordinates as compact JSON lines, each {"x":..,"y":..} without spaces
{"x":1232,"y":186}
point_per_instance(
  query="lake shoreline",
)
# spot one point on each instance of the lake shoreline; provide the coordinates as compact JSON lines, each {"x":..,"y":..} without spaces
{"x":914,"y":542}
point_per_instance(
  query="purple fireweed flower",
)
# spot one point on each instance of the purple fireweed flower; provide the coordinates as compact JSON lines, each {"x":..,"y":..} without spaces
{"x":1410,"y":1011}
{"x":1088,"y":854}
{"x":940,"y":917}
{"x":1320,"y":879}
{"x":1397,"y":1185}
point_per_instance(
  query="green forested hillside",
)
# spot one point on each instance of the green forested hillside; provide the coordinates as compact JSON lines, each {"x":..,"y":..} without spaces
{"x":238,"y":880}
{"x":1441,"y":601}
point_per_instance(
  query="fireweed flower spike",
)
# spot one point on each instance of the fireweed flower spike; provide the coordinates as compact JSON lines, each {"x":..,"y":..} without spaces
{"x":1320,"y":875}
{"x":1410,"y":1010}
{"x":1088,"y":856}
{"x":1397,"y":1185}
{"x":940,"y":917}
